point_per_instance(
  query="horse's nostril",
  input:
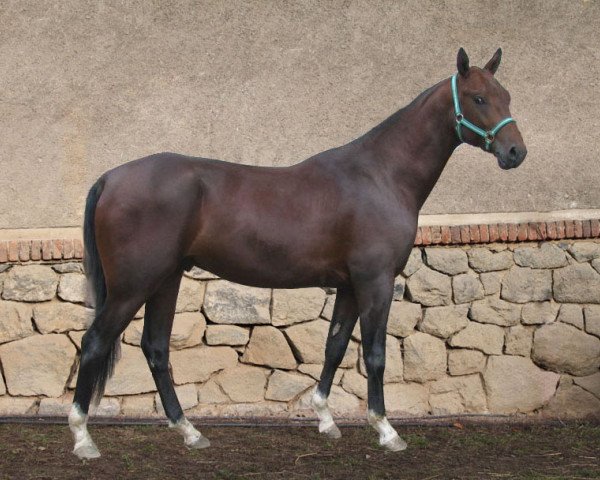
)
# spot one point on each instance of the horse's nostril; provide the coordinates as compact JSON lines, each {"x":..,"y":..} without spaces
{"x":512,"y":153}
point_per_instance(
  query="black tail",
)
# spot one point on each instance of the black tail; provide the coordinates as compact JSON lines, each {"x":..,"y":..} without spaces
{"x":97,"y":285}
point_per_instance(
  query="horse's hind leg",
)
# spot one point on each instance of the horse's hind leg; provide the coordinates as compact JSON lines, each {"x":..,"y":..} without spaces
{"x":345,"y":314}
{"x":374,"y":300}
{"x":158,"y":322}
{"x":94,"y":367}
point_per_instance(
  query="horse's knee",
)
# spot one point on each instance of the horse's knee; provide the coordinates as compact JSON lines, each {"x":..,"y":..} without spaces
{"x":157,"y":357}
{"x":375,"y":361}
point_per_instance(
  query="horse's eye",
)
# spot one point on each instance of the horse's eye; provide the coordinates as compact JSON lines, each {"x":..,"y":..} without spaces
{"x":479,"y":100}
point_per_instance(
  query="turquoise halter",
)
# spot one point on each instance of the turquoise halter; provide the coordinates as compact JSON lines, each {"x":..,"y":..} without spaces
{"x":489,"y":135}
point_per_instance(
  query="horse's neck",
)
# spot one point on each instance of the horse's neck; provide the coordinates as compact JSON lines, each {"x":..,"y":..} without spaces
{"x":413,"y":145}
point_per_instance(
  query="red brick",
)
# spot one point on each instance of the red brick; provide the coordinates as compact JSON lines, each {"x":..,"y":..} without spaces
{"x":446,"y":236}
{"x":436,"y":235}
{"x":3,"y":252}
{"x":13,"y":251}
{"x":418,"y":239}
{"x":569,"y":229}
{"x":68,"y":249}
{"x":57,"y":249}
{"x":455,"y":232}
{"x":587,"y":228}
{"x":465,"y":234}
{"x":533,"y":232}
{"x":78,"y":246}
{"x":513,"y":232}
{"x":595,"y":228}
{"x":503,"y":232}
{"x":36,"y":250}
{"x":426,"y":235}
{"x":541,"y":229}
{"x":552,"y":230}
{"x":560,"y":230}
{"x":474,"y":231}
{"x":578,"y":227}
{"x":24,"y":249}
{"x":494,"y":233}
{"x":523,"y":232}
{"x":47,"y":249}
{"x":484,"y":233}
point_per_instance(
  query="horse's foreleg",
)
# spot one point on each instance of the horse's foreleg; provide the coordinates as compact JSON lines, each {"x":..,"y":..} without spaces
{"x":345,"y":314}
{"x":374,"y":299}
{"x":95,"y":367}
{"x":158,"y":322}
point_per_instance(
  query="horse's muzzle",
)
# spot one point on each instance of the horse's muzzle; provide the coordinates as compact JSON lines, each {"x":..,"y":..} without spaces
{"x":511,"y":158}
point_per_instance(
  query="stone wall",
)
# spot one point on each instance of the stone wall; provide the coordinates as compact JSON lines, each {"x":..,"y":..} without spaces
{"x":501,"y":328}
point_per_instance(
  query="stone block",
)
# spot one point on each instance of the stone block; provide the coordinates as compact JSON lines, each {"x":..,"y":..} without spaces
{"x":55,"y":407}
{"x":495,"y":311}
{"x":188,"y":330}
{"x":31,"y":283}
{"x":523,"y":285}
{"x":243,"y":383}
{"x":227,"y":335}
{"x":584,"y":251}
{"x":518,"y":341}
{"x":463,"y":361}
{"x":308,"y":340}
{"x":197,"y":364}
{"x":230,"y":303}
{"x":573,"y":402}
{"x":591,"y":383}
{"x":2,"y":385}
{"x":487,"y":338}
{"x":563,"y":348}
{"x":424,"y":358}
{"x":138,"y":405}
{"x":285,"y":386}
{"x":354,"y":383}
{"x":451,"y":261}
{"x":38,"y":365}
{"x":191,"y":294}
{"x":399,"y":288}
{"x":482,"y":259}
{"x":402,"y":399}
{"x":429,"y":288}
{"x":444,"y":321}
{"x":539,"y":313}
{"x":72,"y":287}
{"x":69,"y":267}
{"x":467,"y":288}
{"x":548,"y":255}
{"x":414,"y":262}
{"x":132,"y":374}
{"x":592,"y":319}
{"x":269,"y":347}
{"x":466,"y":388}
{"x":17,"y":405}
{"x":403,"y":318}
{"x":197,"y":273}
{"x":571,"y":314}
{"x":108,"y":407}
{"x":296,"y":306}
{"x":211,"y":392}
{"x":491,"y":281}
{"x":15,"y":321}
{"x":76,"y":337}
{"x":339,"y":401}
{"x":327,"y":312}
{"x":57,"y":317}
{"x":314,"y":370}
{"x":515,"y":384}
{"x":578,"y":283}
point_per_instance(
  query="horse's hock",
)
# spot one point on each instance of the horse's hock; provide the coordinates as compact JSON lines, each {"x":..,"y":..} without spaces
{"x":475,"y":327}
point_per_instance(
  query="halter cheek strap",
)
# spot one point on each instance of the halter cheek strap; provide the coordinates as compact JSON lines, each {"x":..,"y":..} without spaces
{"x":489,"y":136}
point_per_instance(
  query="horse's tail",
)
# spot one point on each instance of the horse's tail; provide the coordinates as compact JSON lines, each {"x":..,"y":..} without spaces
{"x":97,"y":284}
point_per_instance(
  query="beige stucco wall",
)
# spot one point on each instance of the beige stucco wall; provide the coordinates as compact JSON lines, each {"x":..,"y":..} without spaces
{"x":85,"y":86}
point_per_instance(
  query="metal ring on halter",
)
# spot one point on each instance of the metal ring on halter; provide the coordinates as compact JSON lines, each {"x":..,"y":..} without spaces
{"x":459,"y":117}
{"x":489,"y":137}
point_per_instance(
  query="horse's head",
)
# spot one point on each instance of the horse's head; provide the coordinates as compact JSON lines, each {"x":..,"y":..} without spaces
{"x":482,"y":116}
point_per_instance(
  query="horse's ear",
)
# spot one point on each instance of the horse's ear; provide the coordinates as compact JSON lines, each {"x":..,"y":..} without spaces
{"x":462,"y":62}
{"x":494,"y":62}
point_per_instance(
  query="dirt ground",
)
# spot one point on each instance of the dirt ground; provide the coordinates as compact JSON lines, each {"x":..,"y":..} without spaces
{"x":461,"y":451}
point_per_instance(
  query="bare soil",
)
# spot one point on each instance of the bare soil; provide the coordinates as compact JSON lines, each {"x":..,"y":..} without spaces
{"x":568,"y":451}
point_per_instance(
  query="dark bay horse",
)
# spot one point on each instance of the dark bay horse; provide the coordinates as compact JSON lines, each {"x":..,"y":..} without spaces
{"x":345,"y":218}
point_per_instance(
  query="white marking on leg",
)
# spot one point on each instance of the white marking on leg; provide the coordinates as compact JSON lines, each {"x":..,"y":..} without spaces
{"x":191,"y":437}
{"x":84,"y":445}
{"x":326,"y":423}
{"x":388,"y":437}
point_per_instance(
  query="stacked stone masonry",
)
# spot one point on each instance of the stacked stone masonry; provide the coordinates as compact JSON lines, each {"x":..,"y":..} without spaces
{"x":500,"y":328}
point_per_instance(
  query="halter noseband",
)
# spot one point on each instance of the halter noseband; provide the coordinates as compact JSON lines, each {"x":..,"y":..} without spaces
{"x":489,"y":136}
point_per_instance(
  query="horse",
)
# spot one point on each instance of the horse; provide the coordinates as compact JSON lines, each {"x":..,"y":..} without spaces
{"x":345,"y":218}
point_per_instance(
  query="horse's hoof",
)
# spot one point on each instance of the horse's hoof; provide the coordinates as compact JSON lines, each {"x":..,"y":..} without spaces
{"x":87,"y":451}
{"x":395,"y":444}
{"x":198,"y":443}
{"x":332,"y":432}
